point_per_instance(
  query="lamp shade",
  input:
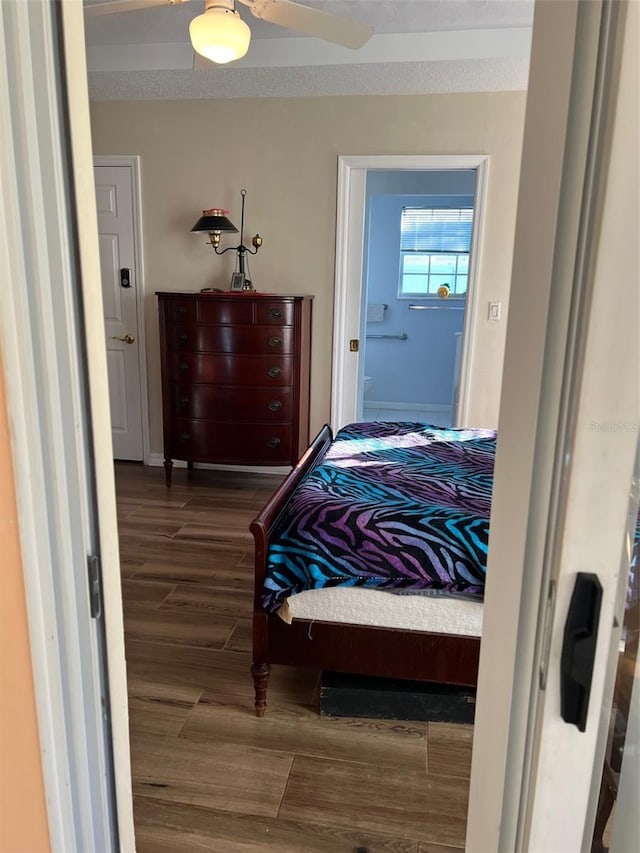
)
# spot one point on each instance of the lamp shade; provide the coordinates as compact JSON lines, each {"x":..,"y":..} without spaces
{"x":214,"y":219}
{"x":220,"y":35}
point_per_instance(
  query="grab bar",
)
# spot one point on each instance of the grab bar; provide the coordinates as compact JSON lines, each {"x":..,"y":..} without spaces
{"x":435,"y":307}
{"x":401,"y":337}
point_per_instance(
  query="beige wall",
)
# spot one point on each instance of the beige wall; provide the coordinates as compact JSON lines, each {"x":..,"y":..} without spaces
{"x":23,"y":817}
{"x":197,"y":154}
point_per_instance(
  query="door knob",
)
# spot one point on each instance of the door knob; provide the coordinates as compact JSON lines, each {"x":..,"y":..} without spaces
{"x":128,"y":339}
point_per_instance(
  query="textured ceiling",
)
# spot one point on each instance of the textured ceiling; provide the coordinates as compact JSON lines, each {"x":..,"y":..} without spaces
{"x":164,"y":24}
{"x":418,"y":46}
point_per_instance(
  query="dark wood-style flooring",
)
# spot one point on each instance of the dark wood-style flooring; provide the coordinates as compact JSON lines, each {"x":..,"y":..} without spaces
{"x":207,"y":774}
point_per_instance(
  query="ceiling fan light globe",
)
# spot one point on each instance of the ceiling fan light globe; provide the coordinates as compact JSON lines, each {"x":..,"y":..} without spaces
{"x":220,"y":35}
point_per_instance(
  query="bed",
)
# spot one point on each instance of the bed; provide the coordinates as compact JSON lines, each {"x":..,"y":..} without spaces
{"x":370,"y":556}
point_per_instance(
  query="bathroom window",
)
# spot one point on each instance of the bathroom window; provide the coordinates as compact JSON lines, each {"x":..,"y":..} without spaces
{"x":434,"y":250}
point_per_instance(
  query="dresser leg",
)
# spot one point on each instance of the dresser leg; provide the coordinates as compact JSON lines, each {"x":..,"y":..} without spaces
{"x":168,"y":465}
{"x":261,"y":673}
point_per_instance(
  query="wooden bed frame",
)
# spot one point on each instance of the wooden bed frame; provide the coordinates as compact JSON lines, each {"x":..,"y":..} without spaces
{"x":419,"y":656}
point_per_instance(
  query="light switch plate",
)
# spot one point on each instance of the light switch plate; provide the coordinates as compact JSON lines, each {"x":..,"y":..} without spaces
{"x":495,"y":310}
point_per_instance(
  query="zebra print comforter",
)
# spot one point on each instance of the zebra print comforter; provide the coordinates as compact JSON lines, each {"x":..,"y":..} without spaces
{"x":397,"y":506}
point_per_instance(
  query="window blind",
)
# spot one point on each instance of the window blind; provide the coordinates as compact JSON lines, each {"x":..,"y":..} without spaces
{"x":435,"y":229}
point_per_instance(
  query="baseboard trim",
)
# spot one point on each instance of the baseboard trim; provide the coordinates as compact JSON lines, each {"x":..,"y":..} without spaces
{"x":156,"y":460}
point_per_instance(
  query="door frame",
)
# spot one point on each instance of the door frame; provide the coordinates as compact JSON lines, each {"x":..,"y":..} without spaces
{"x":565,"y":764}
{"x":132,"y":162}
{"x":557,"y":242}
{"x":48,"y":132}
{"x":350,"y":241}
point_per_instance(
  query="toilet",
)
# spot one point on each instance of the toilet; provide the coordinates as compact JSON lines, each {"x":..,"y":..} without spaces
{"x":366,"y":385}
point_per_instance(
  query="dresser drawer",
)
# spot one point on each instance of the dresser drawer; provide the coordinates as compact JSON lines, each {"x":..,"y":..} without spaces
{"x":243,"y":443}
{"x":268,"y":311}
{"x":258,"y":370}
{"x":180,"y":310}
{"x":235,"y":339}
{"x":229,"y":403}
{"x":237,"y":309}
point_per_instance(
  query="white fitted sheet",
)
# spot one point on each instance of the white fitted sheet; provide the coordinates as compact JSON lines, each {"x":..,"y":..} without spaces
{"x":358,"y":606}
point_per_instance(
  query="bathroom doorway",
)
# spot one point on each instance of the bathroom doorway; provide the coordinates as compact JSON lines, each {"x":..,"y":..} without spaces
{"x":405,"y":313}
{"x":415,"y":265}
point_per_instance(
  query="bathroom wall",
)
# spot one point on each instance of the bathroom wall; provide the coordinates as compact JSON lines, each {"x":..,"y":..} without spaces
{"x":419,"y":370}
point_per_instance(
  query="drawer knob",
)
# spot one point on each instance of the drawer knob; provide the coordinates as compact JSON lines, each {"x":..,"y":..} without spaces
{"x":275,"y":340}
{"x":274,"y":313}
{"x":183,"y":366}
{"x":273,"y":442}
{"x":184,"y":437}
{"x":183,"y":402}
{"x":274,"y":371}
{"x":275,"y":405}
{"x":182,"y":339}
{"x":181,"y":309}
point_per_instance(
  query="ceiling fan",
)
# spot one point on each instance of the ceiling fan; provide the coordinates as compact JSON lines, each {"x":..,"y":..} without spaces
{"x":220,"y":34}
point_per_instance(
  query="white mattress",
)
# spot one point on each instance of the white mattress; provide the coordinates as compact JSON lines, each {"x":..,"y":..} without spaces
{"x":358,"y":606}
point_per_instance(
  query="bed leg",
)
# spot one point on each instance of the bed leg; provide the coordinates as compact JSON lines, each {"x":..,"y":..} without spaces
{"x":261,"y":673}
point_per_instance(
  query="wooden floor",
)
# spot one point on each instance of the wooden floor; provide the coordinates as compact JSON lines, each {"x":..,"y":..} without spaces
{"x":207,"y":774}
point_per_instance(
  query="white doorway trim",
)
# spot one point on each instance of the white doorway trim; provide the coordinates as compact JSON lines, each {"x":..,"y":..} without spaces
{"x":51,"y":329}
{"x":347,"y":319}
{"x":132,"y":162}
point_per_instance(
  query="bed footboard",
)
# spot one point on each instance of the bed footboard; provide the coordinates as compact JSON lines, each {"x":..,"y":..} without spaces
{"x":261,"y":528}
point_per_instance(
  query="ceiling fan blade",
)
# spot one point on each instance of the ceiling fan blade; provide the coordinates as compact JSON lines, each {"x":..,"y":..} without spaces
{"x":311,"y":22}
{"x":111,"y":7}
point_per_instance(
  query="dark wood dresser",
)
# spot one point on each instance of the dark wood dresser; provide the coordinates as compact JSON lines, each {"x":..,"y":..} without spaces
{"x":235,"y":377}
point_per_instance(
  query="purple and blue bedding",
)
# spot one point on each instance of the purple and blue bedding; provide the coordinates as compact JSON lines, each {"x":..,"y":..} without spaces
{"x":395,"y":506}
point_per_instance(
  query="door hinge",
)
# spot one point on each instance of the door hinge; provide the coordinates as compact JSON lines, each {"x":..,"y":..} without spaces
{"x":95,"y":591}
{"x":354,"y":345}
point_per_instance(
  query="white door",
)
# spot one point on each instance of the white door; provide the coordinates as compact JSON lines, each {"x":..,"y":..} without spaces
{"x":565,"y":493}
{"x":600,"y":494}
{"x":115,"y":203}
